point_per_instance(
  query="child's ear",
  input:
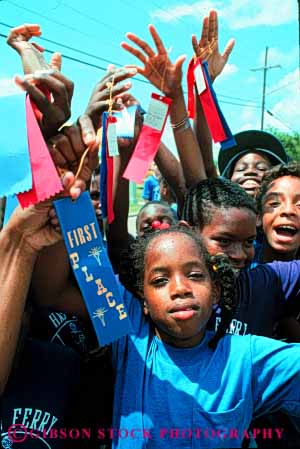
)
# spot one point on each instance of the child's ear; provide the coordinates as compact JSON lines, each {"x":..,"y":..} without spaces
{"x":184,"y":224}
{"x":141,"y":296}
{"x":258,"y":221}
{"x":145,"y":308}
{"x":216,"y":292}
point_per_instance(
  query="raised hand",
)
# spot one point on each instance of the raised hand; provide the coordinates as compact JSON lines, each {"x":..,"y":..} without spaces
{"x":99,"y":102}
{"x":31,"y":53}
{"x":208,"y":48}
{"x":158,"y":68}
{"x":56,"y":110}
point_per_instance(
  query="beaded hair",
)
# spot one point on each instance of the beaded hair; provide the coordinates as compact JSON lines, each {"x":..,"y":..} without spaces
{"x":210,"y":194}
{"x":218,"y":267}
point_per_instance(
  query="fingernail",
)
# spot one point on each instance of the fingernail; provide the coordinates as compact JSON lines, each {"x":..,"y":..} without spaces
{"x":127,"y":85}
{"x":89,"y":138}
{"x":133,"y":71}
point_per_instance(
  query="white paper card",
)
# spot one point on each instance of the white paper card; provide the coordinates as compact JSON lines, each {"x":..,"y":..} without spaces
{"x":199,"y":78}
{"x":156,"y":116}
{"x":112,"y":141}
{"x":126,"y":122}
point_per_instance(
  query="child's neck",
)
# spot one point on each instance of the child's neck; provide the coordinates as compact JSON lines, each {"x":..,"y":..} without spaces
{"x":269,"y":254}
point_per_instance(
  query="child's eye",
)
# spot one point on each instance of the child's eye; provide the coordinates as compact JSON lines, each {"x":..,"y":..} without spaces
{"x":196,"y":275}
{"x":273,"y":204}
{"x":224,"y":242}
{"x":159,"y":281}
{"x":249,"y":242}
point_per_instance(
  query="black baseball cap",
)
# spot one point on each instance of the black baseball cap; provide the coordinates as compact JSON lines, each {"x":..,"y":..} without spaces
{"x":247,"y":141}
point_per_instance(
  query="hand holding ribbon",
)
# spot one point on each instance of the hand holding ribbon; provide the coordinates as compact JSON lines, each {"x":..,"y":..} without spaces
{"x":99,"y":102}
{"x":158,"y":68}
{"x":208,"y":48}
{"x":54,"y":112}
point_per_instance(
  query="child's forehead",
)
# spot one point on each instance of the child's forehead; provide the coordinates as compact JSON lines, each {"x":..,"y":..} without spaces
{"x":287,"y":183}
{"x":165,"y":243}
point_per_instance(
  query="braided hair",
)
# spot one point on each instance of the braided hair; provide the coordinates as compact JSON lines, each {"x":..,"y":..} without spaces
{"x":202,"y":200}
{"x":218,"y":266}
{"x":290,"y":169}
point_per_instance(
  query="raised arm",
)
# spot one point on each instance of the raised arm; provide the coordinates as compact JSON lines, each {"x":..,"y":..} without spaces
{"x":171,"y":170}
{"x":207,"y":48}
{"x":167,"y":77}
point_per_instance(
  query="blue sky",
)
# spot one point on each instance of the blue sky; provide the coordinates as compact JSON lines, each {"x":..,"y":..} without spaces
{"x":98,"y":27}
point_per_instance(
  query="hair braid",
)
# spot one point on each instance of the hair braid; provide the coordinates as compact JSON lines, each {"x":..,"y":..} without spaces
{"x":226,"y":276}
{"x":202,"y":200}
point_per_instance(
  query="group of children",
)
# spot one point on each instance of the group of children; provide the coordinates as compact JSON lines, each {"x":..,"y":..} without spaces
{"x":204,"y":283}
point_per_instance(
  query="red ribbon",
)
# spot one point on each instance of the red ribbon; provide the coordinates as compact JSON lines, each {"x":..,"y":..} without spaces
{"x":146,"y":147}
{"x":45,"y":180}
{"x":210,"y":110}
{"x":110,"y":175}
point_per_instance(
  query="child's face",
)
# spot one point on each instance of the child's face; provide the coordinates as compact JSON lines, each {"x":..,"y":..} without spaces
{"x":154,"y":212}
{"x":232,"y":232}
{"x":281,"y":214}
{"x":178,"y":290}
{"x":249,"y":170}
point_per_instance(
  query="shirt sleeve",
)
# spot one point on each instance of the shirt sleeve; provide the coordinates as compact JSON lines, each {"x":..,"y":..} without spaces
{"x":136,"y":317}
{"x":275,"y":376}
{"x":147,"y":189}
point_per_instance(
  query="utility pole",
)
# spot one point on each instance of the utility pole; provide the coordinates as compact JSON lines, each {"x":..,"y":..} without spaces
{"x":265,"y":68}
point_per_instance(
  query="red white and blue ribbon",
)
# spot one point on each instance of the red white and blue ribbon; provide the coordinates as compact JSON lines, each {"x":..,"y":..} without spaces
{"x":219,"y":129}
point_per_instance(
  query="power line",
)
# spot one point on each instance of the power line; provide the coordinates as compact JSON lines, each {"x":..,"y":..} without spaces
{"x":82,"y":14}
{"x":282,"y":87}
{"x":111,"y":62}
{"x":56,"y":22}
{"x":70,"y":48}
{"x":277,"y":117}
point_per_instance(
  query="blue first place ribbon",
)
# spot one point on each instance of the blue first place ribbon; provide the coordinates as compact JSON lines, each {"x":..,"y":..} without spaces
{"x":92,"y":268}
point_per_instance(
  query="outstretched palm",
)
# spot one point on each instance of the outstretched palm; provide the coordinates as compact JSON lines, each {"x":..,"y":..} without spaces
{"x":158,"y":68}
{"x":208,"y":48}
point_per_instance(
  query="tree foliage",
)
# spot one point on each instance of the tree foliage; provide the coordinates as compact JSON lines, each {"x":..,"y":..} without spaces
{"x":290,"y":141}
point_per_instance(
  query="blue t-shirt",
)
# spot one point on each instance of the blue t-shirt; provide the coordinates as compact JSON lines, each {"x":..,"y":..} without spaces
{"x":265,"y":295}
{"x":168,"y":397}
{"x":151,"y":191}
{"x":39,"y":397}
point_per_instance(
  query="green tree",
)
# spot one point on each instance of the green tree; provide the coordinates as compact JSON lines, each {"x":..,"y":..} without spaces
{"x":290,"y":141}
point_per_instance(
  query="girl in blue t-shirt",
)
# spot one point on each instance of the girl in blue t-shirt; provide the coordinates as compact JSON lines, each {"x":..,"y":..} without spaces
{"x":178,"y":385}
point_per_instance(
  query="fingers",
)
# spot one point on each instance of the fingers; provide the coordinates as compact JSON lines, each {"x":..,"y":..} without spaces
{"x":228,"y":49}
{"x":157,"y":40}
{"x":61,"y":94}
{"x":56,"y":155}
{"x":67,"y":156}
{"x":204,"y":35}
{"x":134,"y":51}
{"x":68,"y":84}
{"x":56,"y":61}
{"x":73,"y":133}
{"x":88,"y":133}
{"x":179,"y":63}
{"x":212,"y":26}
{"x":38,"y":47}
{"x":35,"y":94}
{"x":117,"y":75}
{"x":195,"y":45}
{"x":142,"y":44}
